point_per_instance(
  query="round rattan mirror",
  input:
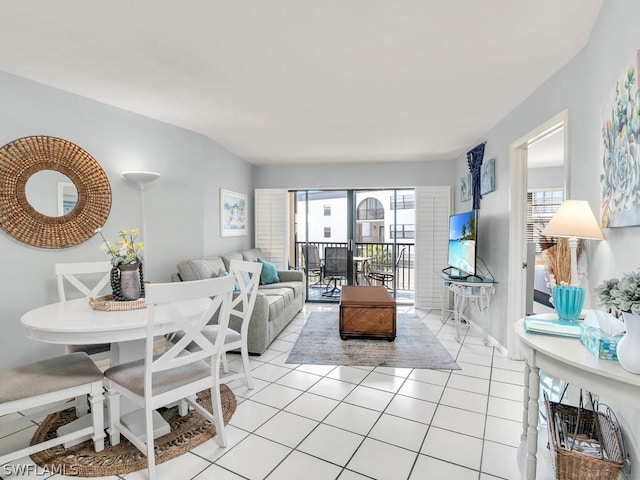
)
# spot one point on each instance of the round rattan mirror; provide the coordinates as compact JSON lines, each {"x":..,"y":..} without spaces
{"x":22,"y":158}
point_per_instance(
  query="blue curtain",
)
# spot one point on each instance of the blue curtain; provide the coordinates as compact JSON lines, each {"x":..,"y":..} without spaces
{"x":474,"y":160}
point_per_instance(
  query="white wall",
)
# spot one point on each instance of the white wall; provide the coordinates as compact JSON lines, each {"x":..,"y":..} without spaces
{"x":582,"y":86}
{"x":182,"y":205}
{"x":548,"y":177}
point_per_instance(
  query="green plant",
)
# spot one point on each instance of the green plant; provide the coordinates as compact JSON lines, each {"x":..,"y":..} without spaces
{"x":622,"y":294}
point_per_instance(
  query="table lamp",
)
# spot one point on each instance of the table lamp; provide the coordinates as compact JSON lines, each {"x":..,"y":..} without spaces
{"x":573,"y":220}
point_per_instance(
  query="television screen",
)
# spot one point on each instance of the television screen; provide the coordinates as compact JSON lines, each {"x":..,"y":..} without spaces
{"x":462,"y":244}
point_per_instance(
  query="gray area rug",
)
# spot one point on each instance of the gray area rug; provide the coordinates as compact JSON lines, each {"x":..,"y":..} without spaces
{"x":415,"y":346}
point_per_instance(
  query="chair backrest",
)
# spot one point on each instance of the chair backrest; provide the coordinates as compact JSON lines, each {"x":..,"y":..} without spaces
{"x":311,"y":257}
{"x":248,"y":278}
{"x":335,"y":261}
{"x":88,"y":271}
{"x":188,"y":306}
{"x":400,"y":255}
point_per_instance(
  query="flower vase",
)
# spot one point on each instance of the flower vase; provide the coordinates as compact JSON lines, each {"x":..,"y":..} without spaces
{"x":126,"y":281}
{"x":628,"y":348}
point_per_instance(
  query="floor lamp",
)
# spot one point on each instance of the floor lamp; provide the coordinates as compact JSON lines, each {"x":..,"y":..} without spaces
{"x":142,"y":178}
{"x":573,"y":220}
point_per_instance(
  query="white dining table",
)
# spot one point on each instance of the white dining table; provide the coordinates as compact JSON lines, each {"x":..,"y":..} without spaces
{"x":75,"y":322}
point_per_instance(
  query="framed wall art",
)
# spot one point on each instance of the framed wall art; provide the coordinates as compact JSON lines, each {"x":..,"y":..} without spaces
{"x":488,"y":176}
{"x":620,"y":194}
{"x":233,"y":213}
{"x":465,"y":188}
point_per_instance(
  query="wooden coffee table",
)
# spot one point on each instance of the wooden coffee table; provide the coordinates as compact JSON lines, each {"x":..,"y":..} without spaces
{"x":367,"y":312}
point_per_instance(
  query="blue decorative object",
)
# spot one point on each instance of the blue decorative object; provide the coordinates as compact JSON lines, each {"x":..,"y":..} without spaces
{"x":601,"y":345}
{"x":568,"y":301}
{"x":474,"y":161}
{"x":269,"y":273}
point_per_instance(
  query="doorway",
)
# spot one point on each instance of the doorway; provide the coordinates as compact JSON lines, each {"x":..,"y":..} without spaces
{"x":519,"y":262}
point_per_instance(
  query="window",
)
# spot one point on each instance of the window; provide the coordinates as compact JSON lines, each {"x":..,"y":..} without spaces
{"x":403,"y":202}
{"x":370,"y":209}
{"x":327,"y":210}
{"x":541,"y":206}
{"x":327,"y":232}
{"x":403,"y":231}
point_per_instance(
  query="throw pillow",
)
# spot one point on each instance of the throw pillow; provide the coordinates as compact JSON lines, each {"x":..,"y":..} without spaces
{"x":269,"y":273}
{"x":224,"y":273}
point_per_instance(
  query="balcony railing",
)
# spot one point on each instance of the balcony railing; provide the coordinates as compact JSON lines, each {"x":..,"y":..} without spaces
{"x":381,"y":257}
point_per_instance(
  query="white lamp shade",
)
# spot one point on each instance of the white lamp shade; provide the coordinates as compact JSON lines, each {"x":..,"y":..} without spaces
{"x":574,"y":219}
{"x":140,"y":177}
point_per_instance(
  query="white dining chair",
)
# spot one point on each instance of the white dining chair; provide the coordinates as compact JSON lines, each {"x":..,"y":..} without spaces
{"x":90,"y":279}
{"x":45,"y":387}
{"x":248,"y":278}
{"x":244,"y":299}
{"x":177,"y":374}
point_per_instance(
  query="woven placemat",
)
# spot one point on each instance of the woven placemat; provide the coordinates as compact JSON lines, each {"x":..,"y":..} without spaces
{"x":108,"y":303}
{"x":186,"y":433}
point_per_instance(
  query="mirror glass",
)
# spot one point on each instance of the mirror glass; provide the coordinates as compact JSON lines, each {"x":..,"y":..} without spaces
{"x":51,"y":193}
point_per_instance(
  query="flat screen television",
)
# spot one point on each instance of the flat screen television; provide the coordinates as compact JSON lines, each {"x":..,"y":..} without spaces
{"x":461,"y":256}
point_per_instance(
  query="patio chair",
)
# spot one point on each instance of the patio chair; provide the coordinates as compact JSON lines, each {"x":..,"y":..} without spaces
{"x":312,"y":262}
{"x":335,"y":269}
{"x":386,"y":277}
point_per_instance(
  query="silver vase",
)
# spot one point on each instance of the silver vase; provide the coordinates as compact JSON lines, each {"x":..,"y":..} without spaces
{"x":129,"y":281}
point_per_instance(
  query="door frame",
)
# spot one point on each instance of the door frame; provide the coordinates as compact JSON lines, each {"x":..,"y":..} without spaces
{"x":517,"y":273}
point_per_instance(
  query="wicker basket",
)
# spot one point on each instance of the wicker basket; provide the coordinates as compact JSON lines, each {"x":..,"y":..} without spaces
{"x":573,"y":465}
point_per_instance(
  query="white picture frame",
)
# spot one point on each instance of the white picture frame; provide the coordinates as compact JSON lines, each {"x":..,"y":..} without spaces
{"x":233,"y":213}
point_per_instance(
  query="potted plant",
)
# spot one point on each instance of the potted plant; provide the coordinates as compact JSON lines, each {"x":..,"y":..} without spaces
{"x":623,"y":295}
{"x":127,"y":281}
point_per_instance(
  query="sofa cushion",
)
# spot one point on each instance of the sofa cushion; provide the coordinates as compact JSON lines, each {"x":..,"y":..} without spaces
{"x":287,"y":294}
{"x":200,"y":268}
{"x":252,"y":255}
{"x":228,"y":257}
{"x":296,"y":287}
{"x":276,"y":305}
{"x":269,"y":273}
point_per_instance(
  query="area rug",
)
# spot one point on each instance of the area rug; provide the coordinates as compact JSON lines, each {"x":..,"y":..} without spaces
{"x":186,"y":433}
{"x":319,"y":343}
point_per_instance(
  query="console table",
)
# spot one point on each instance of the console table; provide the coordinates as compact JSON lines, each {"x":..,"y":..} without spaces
{"x":472,"y":289}
{"x":569,"y":360}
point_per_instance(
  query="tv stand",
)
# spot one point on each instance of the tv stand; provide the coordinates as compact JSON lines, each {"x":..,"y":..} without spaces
{"x":449,"y":272}
{"x":473,"y":288}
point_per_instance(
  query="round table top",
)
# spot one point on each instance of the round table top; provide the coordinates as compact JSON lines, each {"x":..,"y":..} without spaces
{"x":74,"y":322}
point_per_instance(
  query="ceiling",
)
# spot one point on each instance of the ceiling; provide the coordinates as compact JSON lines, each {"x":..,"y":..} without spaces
{"x":547,"y":151}
{"x":289,"y":81}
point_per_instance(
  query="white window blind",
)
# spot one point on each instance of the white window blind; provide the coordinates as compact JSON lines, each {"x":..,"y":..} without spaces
{"x":541,"y":206}
{"x":433,"y":207}
{"x":271,"y":224}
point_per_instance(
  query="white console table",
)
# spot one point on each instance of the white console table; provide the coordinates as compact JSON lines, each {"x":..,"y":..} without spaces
{"x":478,"y":290}
{"x":569,"y":360}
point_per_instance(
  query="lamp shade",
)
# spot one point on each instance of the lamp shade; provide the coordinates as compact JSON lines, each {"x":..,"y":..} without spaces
{"x":140,"y":177}
{"x":574,"y":219}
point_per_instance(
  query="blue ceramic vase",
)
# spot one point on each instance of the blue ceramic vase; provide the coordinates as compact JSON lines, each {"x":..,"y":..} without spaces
{"x":568,"y":301}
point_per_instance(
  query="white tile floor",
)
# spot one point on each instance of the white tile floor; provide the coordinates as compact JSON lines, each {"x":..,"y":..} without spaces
{"x":349,"y":423}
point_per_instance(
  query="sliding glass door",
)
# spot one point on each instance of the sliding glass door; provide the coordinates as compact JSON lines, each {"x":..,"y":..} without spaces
{"x":373,"y":229}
